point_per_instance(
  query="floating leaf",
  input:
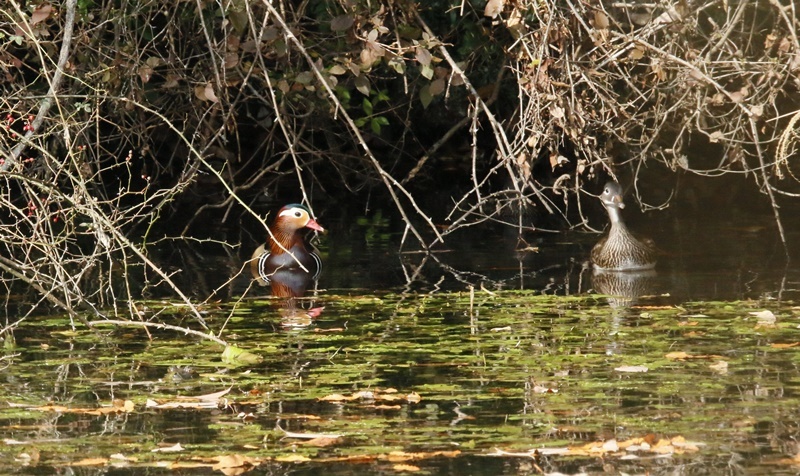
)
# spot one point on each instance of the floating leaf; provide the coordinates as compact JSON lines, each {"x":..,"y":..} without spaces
{"x":234,"y":461}
{"x":631,"y":368}
{"x":720,"y":367}
{"x":765,"y":317}
{"x":304,"y":77}
{"x":321,"y":441}
{"x":235,"y":355}
{"x":90,"y":462}
{"x":293,"y":458}
{"x":784,"y":346}
{"x":168,"y":449}
{"x":145,"y":73}
{"x":231,"y":59}
{"x":405,"y":467}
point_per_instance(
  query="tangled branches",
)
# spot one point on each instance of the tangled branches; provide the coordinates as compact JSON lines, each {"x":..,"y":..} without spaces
{"x":181,"y":112}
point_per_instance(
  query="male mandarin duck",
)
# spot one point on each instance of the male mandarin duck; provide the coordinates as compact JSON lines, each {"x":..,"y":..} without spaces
{"x":619,"y":250}
{"x":286,"y":248}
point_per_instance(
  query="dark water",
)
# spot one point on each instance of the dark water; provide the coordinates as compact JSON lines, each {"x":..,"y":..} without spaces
{"x":402,"y":319}
{"x":711,"y":257}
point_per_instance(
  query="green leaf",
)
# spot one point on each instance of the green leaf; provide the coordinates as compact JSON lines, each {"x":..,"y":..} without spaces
{"x":398,"y":65}
{"x":343,"y":94}
{"x":360,"y":122}
{"x":425,"y":96}
{"x":375,"y":126}
{"x":235,"y":355}
{"x":427,"y":71}
{"x":382,"y":120}
{"x":304,"y":77}
{"x":381,"y":96}
{"x":366,"y":105}
{"x":362,"y":85}
{"x":337,"y":69}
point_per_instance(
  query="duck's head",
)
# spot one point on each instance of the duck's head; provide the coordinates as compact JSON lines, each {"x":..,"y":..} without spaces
{"x":293,"y":217}
{"x":612,"y":196}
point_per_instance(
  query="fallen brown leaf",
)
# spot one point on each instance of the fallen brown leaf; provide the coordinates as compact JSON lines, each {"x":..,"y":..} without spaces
{"x":334,"y":397}
{"x":400,"y":456}
{"x":405,"y":467}
{"x":292,"y":459}
{"x":413,"y":397}
{"x":234,"y":461}
{"x":685,"y":356}
{"x":90,"y":462}
{"x":784,"y":346}
{"x":321,"y":441}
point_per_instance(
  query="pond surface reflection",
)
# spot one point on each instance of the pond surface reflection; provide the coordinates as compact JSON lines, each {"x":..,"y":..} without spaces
{"x":477,"y":359}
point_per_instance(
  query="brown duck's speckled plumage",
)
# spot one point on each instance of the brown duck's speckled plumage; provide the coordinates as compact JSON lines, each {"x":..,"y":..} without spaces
{"x":619,"y":250}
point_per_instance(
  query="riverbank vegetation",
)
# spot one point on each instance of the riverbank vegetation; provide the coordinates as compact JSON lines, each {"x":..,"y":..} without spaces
{"x":126,"y":124}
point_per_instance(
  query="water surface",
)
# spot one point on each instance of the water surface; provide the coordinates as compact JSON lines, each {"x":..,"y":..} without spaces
{"x":479,"y":359}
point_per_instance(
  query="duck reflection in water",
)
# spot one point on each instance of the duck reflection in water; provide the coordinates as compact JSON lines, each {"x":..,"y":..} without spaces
{"x":288,"y":264}
{"x":623,"y":264}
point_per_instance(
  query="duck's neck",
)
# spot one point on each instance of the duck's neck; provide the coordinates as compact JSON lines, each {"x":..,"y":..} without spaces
{"x":286,"y":239}
{"x":615,"y":218}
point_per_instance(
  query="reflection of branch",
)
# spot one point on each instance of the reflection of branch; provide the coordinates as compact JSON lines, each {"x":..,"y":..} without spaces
{"x":47,"y":102}
{"x":14,"y":269}
{"x":158,"y":325}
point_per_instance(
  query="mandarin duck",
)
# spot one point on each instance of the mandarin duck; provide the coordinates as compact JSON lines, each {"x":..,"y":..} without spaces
{"x":286,"y":250}
{"x":619,"y":250}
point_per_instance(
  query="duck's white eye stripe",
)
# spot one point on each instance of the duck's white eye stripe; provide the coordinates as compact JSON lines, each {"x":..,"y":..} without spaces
{"x":292,"y":211}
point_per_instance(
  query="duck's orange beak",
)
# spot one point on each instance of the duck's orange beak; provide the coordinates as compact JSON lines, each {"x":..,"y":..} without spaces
{"x":314,"y":225}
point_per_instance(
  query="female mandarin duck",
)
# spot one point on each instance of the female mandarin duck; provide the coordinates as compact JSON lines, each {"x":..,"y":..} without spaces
{"x":620,"y":250}
{"x":286,"y":249}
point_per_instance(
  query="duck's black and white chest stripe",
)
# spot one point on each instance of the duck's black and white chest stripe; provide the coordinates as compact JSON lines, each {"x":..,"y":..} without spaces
{"x":269,"y":264}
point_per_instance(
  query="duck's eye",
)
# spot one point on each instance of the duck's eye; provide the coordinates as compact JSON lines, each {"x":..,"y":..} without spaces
{"x":298,"y":213}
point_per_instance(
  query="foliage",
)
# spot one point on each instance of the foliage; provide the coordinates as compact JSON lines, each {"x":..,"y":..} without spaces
{"x":120,"y":117}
